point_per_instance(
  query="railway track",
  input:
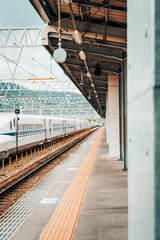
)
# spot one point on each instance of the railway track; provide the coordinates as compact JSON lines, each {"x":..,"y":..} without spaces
{"x":12,"y":192}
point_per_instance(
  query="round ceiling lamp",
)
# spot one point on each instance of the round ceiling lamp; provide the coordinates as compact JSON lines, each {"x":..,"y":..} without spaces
{"x":59,"y":54}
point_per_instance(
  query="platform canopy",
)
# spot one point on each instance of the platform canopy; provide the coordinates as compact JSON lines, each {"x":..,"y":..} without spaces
{"x":94,"y":34}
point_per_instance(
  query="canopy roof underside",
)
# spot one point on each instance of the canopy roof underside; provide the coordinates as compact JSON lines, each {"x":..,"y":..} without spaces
{"x":103,"y":28}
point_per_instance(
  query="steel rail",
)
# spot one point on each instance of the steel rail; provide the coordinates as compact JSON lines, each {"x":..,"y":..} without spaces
{"x":9,"y":186}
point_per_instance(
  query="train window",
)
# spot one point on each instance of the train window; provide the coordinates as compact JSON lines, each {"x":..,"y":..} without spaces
{"x":14,"y":122}
{"x":10,"y":125}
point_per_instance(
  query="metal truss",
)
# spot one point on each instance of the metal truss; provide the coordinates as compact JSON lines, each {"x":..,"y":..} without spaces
{"x":61,"y":105}
{"x":26,"y":37}
{"x":13,"y":44}
{"x":35,"y":85}
{"x":35,"y":95}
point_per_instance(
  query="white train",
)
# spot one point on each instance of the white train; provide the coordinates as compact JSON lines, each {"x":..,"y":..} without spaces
{"x":33,"y":130}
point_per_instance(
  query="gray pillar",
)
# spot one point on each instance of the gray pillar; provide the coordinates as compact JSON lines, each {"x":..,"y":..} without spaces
{"x":124,"y":74}
{"x":107,"y":117}
{"x":144,"y":119}
{"x":121,"y":115}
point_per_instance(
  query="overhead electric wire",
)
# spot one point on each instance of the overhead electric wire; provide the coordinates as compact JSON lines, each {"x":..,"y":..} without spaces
{"x":29,"y":55}
{"x":18,"y":65}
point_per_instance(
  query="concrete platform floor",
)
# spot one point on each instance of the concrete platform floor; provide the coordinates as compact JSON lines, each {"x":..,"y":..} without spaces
{"x":104,"y":212}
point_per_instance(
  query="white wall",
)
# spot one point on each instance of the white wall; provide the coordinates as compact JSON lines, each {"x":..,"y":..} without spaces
{"x":113,"y":116}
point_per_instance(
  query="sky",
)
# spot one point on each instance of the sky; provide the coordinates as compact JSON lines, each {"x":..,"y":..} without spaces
{"x":18,"y":13}
{"x":36,"y":60}
{"x":33,"y":61}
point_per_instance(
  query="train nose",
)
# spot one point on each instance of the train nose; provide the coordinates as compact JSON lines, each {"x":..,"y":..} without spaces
{"x":5,"y":144}
{"x":5,"y":139}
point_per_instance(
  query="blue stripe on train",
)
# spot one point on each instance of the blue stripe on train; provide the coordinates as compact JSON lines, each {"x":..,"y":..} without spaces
{"x":34,"y":131}
{"x":29,"y":132}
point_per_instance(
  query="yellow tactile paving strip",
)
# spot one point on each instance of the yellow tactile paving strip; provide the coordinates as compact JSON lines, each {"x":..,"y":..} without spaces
{"x":63,"y":223}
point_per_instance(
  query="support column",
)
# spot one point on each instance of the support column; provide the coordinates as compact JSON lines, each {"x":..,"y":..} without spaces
{"x":113,"y":116}
{"x":121,"y":127}
{"x":124,"y":115}
{"x":107,"y":140}
{"x":144,"y":119}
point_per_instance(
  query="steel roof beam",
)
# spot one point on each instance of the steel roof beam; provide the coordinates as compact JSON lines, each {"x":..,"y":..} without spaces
{"x":92,"y":66}
{"x":52,"y":4}
{"x":115,"y":45}
{"x":118,"y":42}
{"x":76,"y":73}
{"x":98,"y":83}
{"x":100,"y":5}
{"x":101,"y":51}
{"x":72,"y":16}
{"x":98,"y":86}
{"x":93,"y":62}
{"x":42,"y":10}
{"x":93,"y":28}
{"x":98,"y":57}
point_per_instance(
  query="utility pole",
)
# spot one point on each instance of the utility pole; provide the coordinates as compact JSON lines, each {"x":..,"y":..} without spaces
{"x":17,"y":111}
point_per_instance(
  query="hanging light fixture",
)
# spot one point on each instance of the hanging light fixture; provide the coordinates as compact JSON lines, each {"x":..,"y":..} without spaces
{"x":82,"y":55}
{"x":97,"y":71}
{"x":88,"y":74}
{"x":77,"y":37}
{"x":89,"y":96}
{"x":59,"y":54}
{"x":82,"y":79}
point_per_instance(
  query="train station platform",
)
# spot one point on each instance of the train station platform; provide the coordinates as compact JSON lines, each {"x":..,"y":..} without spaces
{"x":85,"y":197}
